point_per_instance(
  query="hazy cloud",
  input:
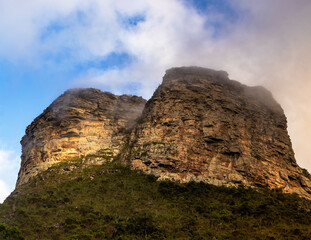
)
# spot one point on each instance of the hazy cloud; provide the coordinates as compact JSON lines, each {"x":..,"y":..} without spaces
{"x":268,"y":45}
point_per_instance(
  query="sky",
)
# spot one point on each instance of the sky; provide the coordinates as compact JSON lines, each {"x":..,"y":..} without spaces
{"x":47,"y":47}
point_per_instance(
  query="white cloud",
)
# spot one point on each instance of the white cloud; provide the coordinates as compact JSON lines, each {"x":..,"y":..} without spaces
{"x":9,"y":165}
{"x":4,"y":191}
{"x":267,"y":45}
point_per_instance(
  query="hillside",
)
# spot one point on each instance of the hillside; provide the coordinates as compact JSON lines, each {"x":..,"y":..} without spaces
{"x":69,"y":201}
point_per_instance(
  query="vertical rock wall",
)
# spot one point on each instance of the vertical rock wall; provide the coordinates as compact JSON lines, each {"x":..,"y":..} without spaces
{"x":201,"y":126}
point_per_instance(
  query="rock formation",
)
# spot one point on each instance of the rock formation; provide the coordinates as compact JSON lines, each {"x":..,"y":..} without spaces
{"x":201,"y":126}
{"x":198,"y":126}
{"x":78,"y":123}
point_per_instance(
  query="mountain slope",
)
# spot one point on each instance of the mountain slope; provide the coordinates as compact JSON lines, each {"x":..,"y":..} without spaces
{"x":100,"y":166}
{"x":113,"y":202}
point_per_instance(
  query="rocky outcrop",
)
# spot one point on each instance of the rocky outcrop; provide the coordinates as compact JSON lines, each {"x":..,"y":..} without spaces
{"x":201,"y":126}
{"x":198,"y":126}
{"x":80,"y":122}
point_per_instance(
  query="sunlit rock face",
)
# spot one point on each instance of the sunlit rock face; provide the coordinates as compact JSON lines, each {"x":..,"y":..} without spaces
{"x":201,"y":126}
{"x":198,"y":126}
{"x":78,"y":123}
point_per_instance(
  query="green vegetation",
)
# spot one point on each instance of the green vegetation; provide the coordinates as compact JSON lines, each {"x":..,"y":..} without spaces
{"x":10,"y":233}
{"x":113,"y":202}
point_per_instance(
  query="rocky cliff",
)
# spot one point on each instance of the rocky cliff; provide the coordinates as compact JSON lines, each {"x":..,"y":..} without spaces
{"x":199,"y":125}
{"x":80,"y":122}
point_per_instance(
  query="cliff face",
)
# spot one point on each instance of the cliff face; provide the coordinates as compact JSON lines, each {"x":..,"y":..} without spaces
{"x":199,"y":125}
{"x":78,"y":123}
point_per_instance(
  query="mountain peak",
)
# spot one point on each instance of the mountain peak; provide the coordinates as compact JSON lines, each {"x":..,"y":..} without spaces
{"x":198,"y":126}
{"x":78,"y":123}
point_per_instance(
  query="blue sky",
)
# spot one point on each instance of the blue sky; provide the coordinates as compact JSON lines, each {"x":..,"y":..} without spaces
{"x":123,"y":46}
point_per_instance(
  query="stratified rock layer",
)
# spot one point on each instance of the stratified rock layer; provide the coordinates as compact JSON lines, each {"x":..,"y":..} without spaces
{"x":78,"y":123}
{"x":201,"y":126}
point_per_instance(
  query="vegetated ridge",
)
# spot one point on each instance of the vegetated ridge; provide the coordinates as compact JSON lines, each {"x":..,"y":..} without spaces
{"x":111,"y":201}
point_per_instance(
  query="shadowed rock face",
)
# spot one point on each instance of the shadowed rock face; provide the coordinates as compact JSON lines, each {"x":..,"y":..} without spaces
{"x":79,"y":122}
{"x":201,"y":126}
{"x":198,"y":126}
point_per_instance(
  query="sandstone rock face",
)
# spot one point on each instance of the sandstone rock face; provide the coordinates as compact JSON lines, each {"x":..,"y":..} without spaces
{"x":198,"y":126}
{"x":201,"y":126}
{"x":79,"y":122}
